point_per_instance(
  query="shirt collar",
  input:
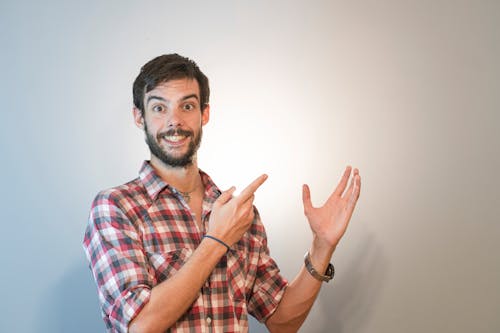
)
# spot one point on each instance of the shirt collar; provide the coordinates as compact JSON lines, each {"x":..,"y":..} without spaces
{"x":151,"y":181}
{"x":154,"y":185}
{"x":212,"y":192}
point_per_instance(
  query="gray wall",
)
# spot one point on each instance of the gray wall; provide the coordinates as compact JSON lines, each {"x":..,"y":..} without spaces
{"x":408,"y":91}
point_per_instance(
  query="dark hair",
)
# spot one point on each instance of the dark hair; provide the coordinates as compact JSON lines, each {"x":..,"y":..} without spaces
{"x":165,"y":68}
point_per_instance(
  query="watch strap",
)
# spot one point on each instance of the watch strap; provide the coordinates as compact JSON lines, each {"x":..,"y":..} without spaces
{"x":329,"y":273}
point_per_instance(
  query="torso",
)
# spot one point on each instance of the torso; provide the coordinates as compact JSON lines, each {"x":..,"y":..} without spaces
{"x":196,"y":205}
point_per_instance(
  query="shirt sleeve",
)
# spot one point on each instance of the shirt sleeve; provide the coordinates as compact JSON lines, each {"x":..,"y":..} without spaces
{"x":269,"y":285}
{"x":120,"y":268}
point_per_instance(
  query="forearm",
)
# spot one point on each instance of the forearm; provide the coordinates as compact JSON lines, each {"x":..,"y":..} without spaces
{"x":301,"y":293}
{"x":328,"y":224}
{"x":170,"y":299}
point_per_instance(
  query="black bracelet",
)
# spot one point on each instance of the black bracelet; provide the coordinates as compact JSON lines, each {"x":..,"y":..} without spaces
{"x":217,"y":240}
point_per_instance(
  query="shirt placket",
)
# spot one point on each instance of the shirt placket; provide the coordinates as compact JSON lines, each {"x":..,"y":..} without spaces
{"x":208,"y":325}
{"x":207,"y":288}
{"x":209,"y":316}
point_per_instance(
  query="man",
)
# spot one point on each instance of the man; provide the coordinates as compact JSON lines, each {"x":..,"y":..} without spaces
{"x":170,"y":252}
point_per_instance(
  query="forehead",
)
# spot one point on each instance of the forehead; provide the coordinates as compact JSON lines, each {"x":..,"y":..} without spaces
{"x":175,"y":89}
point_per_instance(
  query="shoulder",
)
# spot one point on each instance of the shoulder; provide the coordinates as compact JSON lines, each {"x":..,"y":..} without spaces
{"x":125,"y":201}
{"x":119,"y":194}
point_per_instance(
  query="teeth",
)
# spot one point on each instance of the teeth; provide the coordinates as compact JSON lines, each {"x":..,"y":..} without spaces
{"x":174,"y":138}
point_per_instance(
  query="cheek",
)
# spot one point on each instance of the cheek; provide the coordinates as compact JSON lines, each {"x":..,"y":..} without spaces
{"x":155,"y":125}
{"x":197,"y":120}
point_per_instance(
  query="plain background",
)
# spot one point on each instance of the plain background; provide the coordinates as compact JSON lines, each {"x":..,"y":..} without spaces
{"x":408,"y":91}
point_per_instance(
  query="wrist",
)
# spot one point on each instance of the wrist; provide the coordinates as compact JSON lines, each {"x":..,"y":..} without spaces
{"x":322,"y":247}
{"x":321,"y":253}
{"x":218,"y":241}
{"x":323,"y":277}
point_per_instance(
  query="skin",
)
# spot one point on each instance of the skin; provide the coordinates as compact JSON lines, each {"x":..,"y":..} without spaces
{"x":175,"y":104}
{"x":328,"y":224}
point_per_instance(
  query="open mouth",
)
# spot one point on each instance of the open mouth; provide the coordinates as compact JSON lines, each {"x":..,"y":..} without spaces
{"x":174,"y":138}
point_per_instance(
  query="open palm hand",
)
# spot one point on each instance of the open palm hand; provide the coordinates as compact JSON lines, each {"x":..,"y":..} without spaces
{"x":329,"y":222}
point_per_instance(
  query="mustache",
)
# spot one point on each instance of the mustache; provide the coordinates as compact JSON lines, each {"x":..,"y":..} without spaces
{"x":177,"y":131}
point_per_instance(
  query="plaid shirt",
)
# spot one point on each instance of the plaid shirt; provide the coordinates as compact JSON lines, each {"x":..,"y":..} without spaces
{"x":141,"y":233}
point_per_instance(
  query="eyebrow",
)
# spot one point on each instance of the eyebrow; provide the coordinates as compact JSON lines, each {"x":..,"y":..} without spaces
{"x":164,"y":100}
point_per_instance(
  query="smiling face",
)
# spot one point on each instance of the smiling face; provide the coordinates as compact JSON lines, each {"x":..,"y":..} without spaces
{"x":172,"y":121}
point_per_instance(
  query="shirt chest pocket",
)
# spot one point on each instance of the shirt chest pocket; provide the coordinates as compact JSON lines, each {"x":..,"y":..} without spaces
{"x":237,"y":269}
{"x":168,"y":263}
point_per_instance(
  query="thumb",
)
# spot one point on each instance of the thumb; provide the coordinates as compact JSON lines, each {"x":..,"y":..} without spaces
{"x":306,"y":199}
{"x":225,"y":196}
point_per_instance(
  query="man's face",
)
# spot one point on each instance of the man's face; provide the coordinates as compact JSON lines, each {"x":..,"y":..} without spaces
{"x":173,"y":121}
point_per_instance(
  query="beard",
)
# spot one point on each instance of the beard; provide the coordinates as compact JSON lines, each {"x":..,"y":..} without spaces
{"x":168,"y":159}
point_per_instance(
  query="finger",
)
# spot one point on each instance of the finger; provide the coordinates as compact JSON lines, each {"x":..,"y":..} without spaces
{"x":252,"y":212}
{"x":250,"y":189}
{"x":249,"y":213}
{"x":306,"y":198}
{"x":343,"y":182}
{"x":354,"y":196}
{"x":357,"y":191}
{"x":225,"y":196}
{"x":248,"y":202}
{"x":245,"y":211}
{"x":351,"y":184}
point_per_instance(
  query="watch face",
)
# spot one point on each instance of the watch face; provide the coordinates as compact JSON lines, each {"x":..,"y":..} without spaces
{"x":330,"y":271}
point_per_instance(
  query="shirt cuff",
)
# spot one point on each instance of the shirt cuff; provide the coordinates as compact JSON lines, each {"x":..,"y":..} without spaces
{"x":128,"y":305}
{"x":268,"y":302}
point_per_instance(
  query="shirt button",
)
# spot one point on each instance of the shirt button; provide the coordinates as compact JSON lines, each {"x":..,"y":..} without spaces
{"x":209,"y":320}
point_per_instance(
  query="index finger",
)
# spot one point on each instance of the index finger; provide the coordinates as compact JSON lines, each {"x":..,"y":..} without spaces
{"x":250,"y":189}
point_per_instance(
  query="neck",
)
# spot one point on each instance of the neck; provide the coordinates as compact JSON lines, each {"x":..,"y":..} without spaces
{"x":184,"y":179}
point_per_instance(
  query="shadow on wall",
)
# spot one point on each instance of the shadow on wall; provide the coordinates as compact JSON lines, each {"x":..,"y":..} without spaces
{"x":72,"y":304}
{"x":356,"y":290}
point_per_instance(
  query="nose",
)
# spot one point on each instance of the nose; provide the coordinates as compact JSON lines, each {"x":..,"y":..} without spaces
{"x":175,"y":118}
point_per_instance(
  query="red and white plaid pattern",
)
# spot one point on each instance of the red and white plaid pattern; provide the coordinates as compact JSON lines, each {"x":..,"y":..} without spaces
{"x":142,"y":232}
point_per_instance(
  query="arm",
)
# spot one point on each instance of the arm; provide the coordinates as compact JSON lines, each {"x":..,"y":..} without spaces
{"x":126,"y":280}
{"x":170,"y":299}
{"x":328,"y":224}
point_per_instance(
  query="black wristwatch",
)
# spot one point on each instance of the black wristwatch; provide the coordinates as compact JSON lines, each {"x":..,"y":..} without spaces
{"x":330,"y":270}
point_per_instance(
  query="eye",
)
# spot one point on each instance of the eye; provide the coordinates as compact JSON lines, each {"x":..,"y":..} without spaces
{"x":158,"y":108}
{"x":189,"y":106}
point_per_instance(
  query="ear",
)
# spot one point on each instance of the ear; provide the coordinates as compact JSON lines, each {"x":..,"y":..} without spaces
{"x":205,"y":115}
{"x":138,"y":118}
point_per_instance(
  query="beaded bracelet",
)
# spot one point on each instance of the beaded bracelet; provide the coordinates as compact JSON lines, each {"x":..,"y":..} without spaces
{"x":217,"y":240}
